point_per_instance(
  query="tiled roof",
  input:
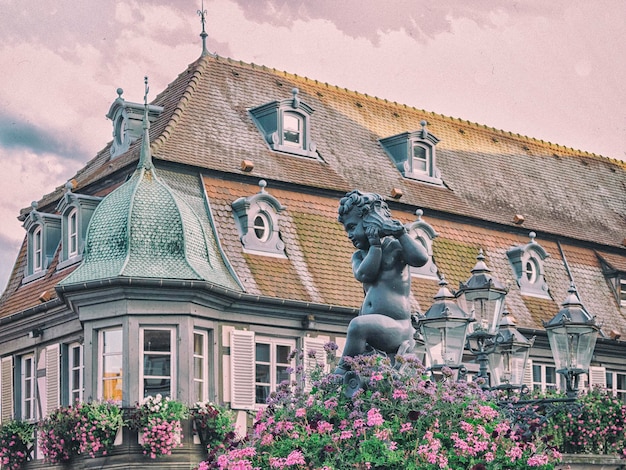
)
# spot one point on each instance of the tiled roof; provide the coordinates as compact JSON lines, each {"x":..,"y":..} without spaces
{"x":488,"y":175}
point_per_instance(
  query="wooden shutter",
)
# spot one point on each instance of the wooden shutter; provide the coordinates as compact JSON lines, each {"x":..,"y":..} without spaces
{"x":52,"y":378}
{"x":242,"y":370}
{"x":315,"y":345}
{"x":6,"y":385}
{"x":528,"y":375}
{"x":597,"y":377}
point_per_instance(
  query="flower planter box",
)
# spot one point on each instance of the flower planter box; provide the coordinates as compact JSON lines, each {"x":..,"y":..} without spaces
{"x":591,"y":462}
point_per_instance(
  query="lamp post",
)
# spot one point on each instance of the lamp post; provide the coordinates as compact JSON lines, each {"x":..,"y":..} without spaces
{"x":483,"y":296}
{"x":444,"y":329}
{"x":508,"y":361}
{"x":572,"y":333}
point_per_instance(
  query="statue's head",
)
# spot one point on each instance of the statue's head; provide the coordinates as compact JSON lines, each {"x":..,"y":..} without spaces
{"x":369,"y":207}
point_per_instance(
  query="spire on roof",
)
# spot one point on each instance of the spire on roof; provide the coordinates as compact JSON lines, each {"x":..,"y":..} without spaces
{"x":145,"y":158}
{"x":203,"y":34}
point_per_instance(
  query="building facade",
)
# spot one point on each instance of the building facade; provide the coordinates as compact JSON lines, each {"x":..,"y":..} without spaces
{"x":196,"y":251}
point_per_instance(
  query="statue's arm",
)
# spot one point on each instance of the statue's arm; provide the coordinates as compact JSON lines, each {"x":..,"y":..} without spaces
{"x":366,"y":268}
{"x":413,"y":251}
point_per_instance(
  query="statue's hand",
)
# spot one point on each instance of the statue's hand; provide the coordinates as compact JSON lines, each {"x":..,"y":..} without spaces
{"x":373,"y":235}
{"x":394,"y":228}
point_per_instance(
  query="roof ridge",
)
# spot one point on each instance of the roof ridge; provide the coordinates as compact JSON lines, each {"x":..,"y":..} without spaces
{"x":563,"y":148}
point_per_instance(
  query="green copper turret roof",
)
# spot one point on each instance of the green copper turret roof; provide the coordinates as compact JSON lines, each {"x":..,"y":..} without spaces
{"x":146,"y":229}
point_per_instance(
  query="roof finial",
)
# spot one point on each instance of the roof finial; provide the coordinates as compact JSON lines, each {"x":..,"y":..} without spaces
{"x":203,"y":34}
{"x":145,"y":158}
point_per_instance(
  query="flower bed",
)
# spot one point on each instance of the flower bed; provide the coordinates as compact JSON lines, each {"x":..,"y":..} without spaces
{"x":398,"y":421}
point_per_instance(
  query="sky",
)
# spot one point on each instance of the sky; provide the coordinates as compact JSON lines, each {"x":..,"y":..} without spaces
{"x":553,"y":70}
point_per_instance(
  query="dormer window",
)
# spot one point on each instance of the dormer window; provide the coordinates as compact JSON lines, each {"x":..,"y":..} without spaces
{"x":127,"y":121}
{"x":257,"y":221}
{"x":614,"y":269}
{"x":43,"y":235}
{"x":76,"y":211}
{"x":424,"y":233}
{"x":285,"y":125}
{"x":413,"y":153}
{"x":527,"y":263}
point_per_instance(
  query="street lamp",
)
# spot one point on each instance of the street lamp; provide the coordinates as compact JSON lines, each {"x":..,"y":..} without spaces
{"x":444,"y":329}
{"x":572,"y":333}
{"x":508,"y":361}
{"x":483,"y":296}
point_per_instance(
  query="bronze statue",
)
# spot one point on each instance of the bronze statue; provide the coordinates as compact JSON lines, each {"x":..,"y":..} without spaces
{"x":381,"y":263}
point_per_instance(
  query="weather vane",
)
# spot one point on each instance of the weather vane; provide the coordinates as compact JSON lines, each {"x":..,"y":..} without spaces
{"x":203,"y":34}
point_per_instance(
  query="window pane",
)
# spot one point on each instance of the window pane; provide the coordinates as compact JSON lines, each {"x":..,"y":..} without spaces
{"x":112,"y":341}
{"x":282,"y":354}
{"x":420,"y":159}
{"x":263,"y":373}
{"x":198,"y":391}
{"x":156,"y":340}
{"x":262,"y":352}
{"x":621,"y":381}
{"x":155,"y":386}
{"x":536,"y":373}
{"x":198,"y":369}
{"x":198,"y":344}
{"x":112,"y":390}
{"x":550,"y":375}
{"x":156,"y":365}
{"x":262,"y":392}
{"x":112,"y":365}
{"x":76,"y":359}
{"x":282,"y":375}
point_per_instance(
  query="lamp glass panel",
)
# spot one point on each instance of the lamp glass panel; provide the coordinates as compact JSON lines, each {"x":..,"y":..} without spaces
{"x":572,"y":346}
{"x":444,"y":342}
{"x":507,"y":366}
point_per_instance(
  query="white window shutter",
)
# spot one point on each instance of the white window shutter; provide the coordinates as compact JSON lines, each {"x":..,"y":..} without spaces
{"x":528,"y":375}
{"x":6,"y":384}
{"x":313,"y":345}
{"x":242,"y":370}
{"x":52,"y":378}
{"x":597,"y":377}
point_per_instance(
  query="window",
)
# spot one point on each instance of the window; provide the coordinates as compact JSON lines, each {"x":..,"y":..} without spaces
{"x":37,"y":250}
{"x":76,"y":211}
{"x":420,"y":163}
{"x":258,"y":364}
{"x":273,"y":365}
{"x":527,"y":262}
{"x":29,"y":409}
{"x":200,"y":367}
{"x":544,"y":377}
{"x":292,"y":129}
{"x":127,"y":120}
{"x":285,"y":125}
{"x":616,"y":383}
{"x":414,"y":155}
{"x":257,"y":221}
{"x":76,"y":370}
{"x":72,"y":233}
{"x":43,"y":236}
{"x":110,"y":373}
{"x":622,"y":292}
{"x":158,"y":362}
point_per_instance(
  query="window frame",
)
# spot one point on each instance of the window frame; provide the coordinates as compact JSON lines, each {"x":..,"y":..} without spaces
{"x":172,"y":355}
{"x":428,"y":159}
{"x":613,"y":382}
{"x":72,"y":233}
{"x":273,"y":343}
{"x":37,"y":252}
{"x":72,"y":367}
{"x":542,"y":384}
{"x":101,"y":363}
{"x":622,"y":291}
{"x":204,"y":357}
{"x":30,"y":398}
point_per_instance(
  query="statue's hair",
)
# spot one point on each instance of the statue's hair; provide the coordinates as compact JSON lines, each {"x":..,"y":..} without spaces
{"x":366,"y":203}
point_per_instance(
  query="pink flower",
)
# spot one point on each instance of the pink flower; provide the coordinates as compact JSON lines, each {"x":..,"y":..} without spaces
{"x":374,"y":418}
